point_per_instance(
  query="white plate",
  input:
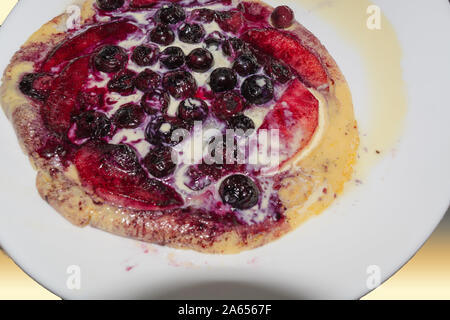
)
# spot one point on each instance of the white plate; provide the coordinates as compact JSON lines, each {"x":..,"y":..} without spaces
{"x":381,"y":223}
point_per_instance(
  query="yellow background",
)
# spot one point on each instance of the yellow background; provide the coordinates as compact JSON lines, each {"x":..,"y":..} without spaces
{"x":426,"y":276}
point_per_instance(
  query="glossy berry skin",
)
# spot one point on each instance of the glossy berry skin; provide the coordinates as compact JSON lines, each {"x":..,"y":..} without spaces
{"x":91,"y":124}
{"x":191,"y":33}
{"x":160,"y":131}
{"x":180,"y":84}
{"x":155,"y":102}
{"x":123,"y":82}
{"x":203,"y":15}
{"x":223,"y":79}
{"x":257,"y":89}
{"x":54,"y":147}
{"x":170,"y":14}
{"x":36,"y":85}
{"x":278,"y":71}
{"x":241,"y":122}
{"x":110,"y":59}
{"x":129,"y":116}
{"x":262,"y":58}
{"x":110,"y":5}
{"x":227,"y":105}
{"x":200,"y":60}
{"x":246,"y":65}
{"x":162,"y":35}
{"x":282,"y":17}
{"x":239,"y":192}
{"x":192,"y":109}
{"x":145,"y":55}
{"x":148,"y":80}
{"x":234,"y":47}
{"x":159,"y":162}
{"x":172,"y":58}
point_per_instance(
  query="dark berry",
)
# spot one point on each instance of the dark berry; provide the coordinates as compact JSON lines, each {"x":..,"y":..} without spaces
{"x":223,"y":79}
{"x":193,"y":109}
{"x":262,"y":58}
{"x":241,"y":122}
{"x":123,"y":82}
{"x":155,"y":102}
{"x":191,"y":33}
{"x":172,"y":58}
{"x":170,"y":14}
{"x":162,"y":35}
{"x":257,"y":89}
{"x":278,"y":71}
{"x":159,"y":162}
{"x":129,"y":116}
{"x":246,"y":65}
{"x":160,"y":131}
{"x":54,"y":147}
{"x":282,"y":17}
{"x":36,"y":85}
{"x":147,"y":80}
{"x":92,"y":99}
{"x":200,"y":60}
{"x":145,"y":55}
{"x":239,"y":191}
{"x":110,"y":5}
{"x":227,"y":105}
{"x":234,"y":47}
{"x":91,"y":124}
{"x":180,"y":84}
{"x":110,"y":59}
{"x":203,"y":15}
